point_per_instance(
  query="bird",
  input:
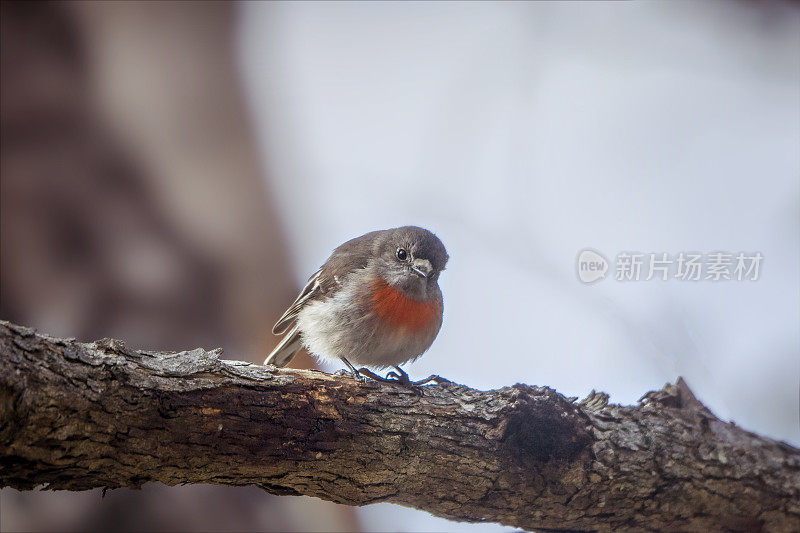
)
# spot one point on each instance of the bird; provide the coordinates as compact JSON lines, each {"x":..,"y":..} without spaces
{"x":375,"y":302}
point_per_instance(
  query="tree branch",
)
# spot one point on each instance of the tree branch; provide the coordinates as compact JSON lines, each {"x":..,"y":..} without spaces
{"x":81,"y":415}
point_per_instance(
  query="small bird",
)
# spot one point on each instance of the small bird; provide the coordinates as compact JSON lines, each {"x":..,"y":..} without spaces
{"x":375,"y":301}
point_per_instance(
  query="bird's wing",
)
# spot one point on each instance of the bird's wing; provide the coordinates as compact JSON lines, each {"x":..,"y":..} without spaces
{"x":350,"y":256}
{"x":312,"y":288}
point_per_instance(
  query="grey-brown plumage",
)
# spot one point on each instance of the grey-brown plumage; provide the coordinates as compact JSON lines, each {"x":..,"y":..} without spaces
{"x":347,"y":309}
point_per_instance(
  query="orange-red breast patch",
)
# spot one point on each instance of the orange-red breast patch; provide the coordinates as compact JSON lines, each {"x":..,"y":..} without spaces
{"x":401,"y":311}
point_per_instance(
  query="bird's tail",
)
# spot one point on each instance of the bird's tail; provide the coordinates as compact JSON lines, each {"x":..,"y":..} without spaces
{"x":286,"y":349}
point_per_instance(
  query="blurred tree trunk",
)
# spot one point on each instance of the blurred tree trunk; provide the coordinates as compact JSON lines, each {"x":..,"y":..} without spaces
{"x":78,"y":416}
{"x":132,"y":204}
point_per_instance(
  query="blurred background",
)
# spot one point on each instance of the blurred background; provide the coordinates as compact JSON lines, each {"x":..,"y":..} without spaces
{"x":171,"y":173}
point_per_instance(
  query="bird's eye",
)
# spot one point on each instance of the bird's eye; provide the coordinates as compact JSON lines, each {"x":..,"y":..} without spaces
{"x":402,"y":255}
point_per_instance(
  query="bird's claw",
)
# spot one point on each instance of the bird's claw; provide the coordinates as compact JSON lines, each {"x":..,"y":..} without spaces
{"x":439,"y":380}
{"x":372,"y":375}
{"x":401,"y":378}
{"x":394,"y":378}
{"x":358,"y":376}
{"x":397,"y":376}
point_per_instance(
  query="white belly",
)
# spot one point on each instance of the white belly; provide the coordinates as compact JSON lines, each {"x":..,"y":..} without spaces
{"x":333,"y":328}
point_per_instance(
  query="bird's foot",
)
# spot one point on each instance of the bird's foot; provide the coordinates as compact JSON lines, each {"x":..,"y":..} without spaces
{"x":395,"y":379}
{"x":432,"y":378}
{"x":400,"y":377}
{"x":372,"y":375}
{"x":357,"y":375}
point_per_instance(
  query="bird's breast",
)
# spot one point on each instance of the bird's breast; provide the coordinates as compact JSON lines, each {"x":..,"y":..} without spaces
{"x":399,"y":311}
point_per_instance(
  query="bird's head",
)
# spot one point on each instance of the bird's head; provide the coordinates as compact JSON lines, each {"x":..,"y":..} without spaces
{"x":410,"y":259}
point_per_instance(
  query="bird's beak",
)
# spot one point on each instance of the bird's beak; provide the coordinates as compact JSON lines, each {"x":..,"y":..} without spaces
{"x":422,"y":267}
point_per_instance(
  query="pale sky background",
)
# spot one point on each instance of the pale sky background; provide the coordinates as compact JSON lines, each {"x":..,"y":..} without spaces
{"x":523,"y":133}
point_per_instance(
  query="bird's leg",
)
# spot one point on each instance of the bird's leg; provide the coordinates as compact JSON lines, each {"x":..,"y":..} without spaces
{"x":372,"y":375}
{"x":393,"y":377}
{"x":356,"y":373}
{"x":401,"y":377}
{"x":365,"y":373}
{"x":396,"y":379}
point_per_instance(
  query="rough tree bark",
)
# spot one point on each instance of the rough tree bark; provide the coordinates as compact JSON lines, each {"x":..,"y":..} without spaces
{"x":78,"y":415}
